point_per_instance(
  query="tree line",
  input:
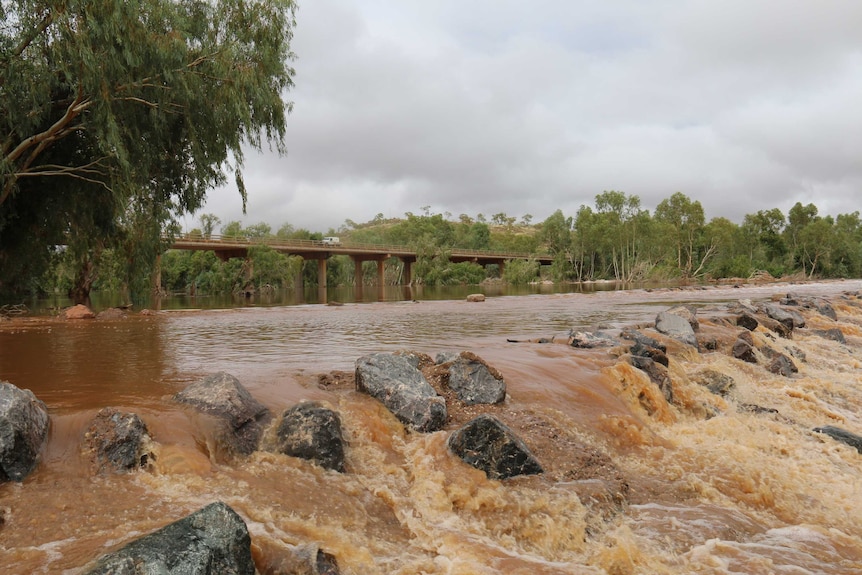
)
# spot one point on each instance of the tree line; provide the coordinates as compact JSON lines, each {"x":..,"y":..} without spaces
{"x":612,"y":239}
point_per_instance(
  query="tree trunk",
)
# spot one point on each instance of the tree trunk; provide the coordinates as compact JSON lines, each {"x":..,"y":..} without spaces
{"x":80,"y":290}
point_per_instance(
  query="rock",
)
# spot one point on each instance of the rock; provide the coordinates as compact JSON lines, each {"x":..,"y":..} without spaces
{"x":222,"y":396}
{"x":757,"y":409}
{"x":688,"y":313}
{"x":395,"y":380}
{"x":652,"y":353}
{"x":776,"y":326}
{"x":305,"y":559}
{"x":782,"y":365}
{"x":212,"y":541}
{"x":677,"y":327}
{"x":79,"y":311}
{"x":744,"y":351}
{"x":645,"y":340}
{"x":842,"y":435}
{"x":833,"y":334}
{"x":474,"y":382}
{"x":475,"y":297}
{"x":23,"y":430}
{"x":488,"y":444}
{"x":590,"y":340}
{"x":309,"y":430}
{"x":657,"y":373}
{"x":111,"y":313}
{"x":747,"y":321}
{"x":790,"y":318}
{"x":822,"y":306}
{"x":118,"y":441}
{"x":715,"y":381}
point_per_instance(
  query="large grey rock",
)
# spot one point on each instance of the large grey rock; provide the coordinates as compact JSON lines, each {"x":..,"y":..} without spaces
{"x":842,"y":435}
{"x":312,"y":431}
{"x":474,"y":382}
{"x":792,"y":319}
{"x":23,"y":430}
{"x":222,"y":396}
{"x":688,"y":313}
{"x":212,"y":541}
{"x":118,"y":441}
{"x":675,"y":326}
{"x":396,"y":381}
{"x":488,"y":444}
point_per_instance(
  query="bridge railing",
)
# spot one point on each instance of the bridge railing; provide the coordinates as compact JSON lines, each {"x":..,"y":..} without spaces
{"x":228,"y":241}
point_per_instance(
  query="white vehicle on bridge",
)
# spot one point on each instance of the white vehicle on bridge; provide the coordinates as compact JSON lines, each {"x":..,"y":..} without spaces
{"x":331,"y":241}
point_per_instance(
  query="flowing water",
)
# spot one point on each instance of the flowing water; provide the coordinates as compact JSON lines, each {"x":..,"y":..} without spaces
{"x":632,"y":484}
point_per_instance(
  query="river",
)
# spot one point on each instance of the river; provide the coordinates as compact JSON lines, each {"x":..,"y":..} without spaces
{"x":700,"y":486}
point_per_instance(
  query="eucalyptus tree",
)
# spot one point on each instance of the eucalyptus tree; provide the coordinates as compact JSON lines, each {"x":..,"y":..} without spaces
{"x":684,"y":222}
{"x":762,"y":232}
{"x":118,"y":116}
{"x":555,"y":233}
{"x":620,"y":223}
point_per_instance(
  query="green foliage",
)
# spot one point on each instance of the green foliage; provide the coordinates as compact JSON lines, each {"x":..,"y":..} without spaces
{"x":117,"y":117}
{"x":521,"y":271}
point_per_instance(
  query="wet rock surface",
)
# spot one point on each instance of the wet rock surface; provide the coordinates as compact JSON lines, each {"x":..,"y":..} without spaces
{"x":841,"y":435}
{"x":117,"y":441}
{"x":212,"y":541}
{"x":474,"y":381}
{"x":312,"y":431}
{"x":488,"y":444}
{"x":396,"y":381}
{"x":23,"y":431}
{"x":223,"y":397}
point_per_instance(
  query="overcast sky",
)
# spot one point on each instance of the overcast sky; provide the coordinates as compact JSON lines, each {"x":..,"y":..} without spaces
{"x":491,"y":106}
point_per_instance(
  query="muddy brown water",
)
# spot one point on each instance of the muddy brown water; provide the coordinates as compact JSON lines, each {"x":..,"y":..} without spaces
{"x":699,"y":486}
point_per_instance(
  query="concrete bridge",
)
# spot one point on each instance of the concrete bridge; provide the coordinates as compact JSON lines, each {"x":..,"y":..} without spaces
{"x":227,"y":247}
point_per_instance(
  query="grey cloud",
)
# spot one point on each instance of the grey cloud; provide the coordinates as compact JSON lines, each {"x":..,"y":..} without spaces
{"x":499,"y":106}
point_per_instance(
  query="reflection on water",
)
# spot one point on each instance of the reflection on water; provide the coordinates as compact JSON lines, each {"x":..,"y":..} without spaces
{"x":700,"y":486}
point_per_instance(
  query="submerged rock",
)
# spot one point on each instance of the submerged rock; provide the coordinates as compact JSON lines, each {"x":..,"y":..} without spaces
{"x":842,"y":435}
{"x":834,"y":334}
{"x":488,"y":444}
{"x":590,"y":340}
{"x":782,"y":365}
{"x":715,"y":381}
{"x":474,"y":382}
{"x":212,"y":541}
{"x":23,"y":430}
{"x":476,"y":297}
{"x":657,"y":373}
{"x":396,"y":381}
{"x":118,"y":441}
{"x":309,"y":430}
{"x":222,"y":396}
{"x":642,"y":339}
